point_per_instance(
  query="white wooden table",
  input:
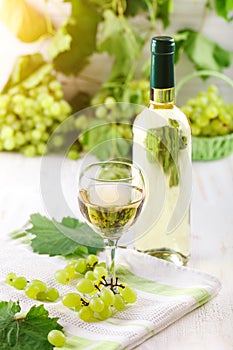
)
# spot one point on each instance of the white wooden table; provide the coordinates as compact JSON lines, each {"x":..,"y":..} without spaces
{"x":210,"y":326}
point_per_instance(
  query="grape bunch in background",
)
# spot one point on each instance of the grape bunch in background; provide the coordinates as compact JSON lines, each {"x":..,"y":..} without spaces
{"x":209,"y":115}
{"x":32,"y":105}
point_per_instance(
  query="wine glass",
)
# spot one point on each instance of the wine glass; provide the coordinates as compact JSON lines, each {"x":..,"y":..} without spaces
{"x":111,"y":196}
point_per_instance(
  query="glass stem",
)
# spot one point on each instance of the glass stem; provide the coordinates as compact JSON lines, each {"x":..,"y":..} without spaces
{"x":110,"y":250}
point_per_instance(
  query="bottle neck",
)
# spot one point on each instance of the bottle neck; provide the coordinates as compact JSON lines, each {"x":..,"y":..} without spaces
{"x":162,"y":85}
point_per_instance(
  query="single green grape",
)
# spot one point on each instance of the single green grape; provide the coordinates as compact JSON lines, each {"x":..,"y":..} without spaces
{"x":41,"y":296}
{"x":36,"y":134}
{"x":40,"y":284}
{"x":107,"y":296}
{"x":29,"y":150}
{"x":128,"y":294}
{"x":73,"y":154}
{"x":71,"y":300}
{"x":54,"y":85}
{"x":6,"y":132}
{"x":101,"y":264}
{"x":55,"y":109}
{"x":57,"y":140}
{"x":62,"y":276}
{"x":101,"y":112}
{"x":99,"y":272}
{"x":32,"y":291}
{"x":110,"y":102}
{"x":52,"y":294}
{"x":56,"y":338}
{"x":20,"y":283}
{"x":71,"y":271}
{"x":105,"y":313}
{"x":9,"y":144}
{"x":10,"y":278}
{"x":90,"y":276}
{"x":202,"y":121}
{"x":211,"y":112}
{"x":85,"y":286}
{"x":46,"y":101}
{"x":66,"y":108}
{"x":225,"y":118}
{"x":81,"y":265}
{"x":195,"y":130}
{"x":96,"y":304}
{"x":86,"y":314}
{"x":92,"y":260}
{"x":119,"y":303}
{"x":81,"y":122}
{"x":41,"y":148}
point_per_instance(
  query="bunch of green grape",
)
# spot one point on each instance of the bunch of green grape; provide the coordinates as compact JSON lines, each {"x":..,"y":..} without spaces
{"x":107,"y":108}
{"x":115,"y":107}
{"x":209,"y":115}
{"x":96,"y":298}
{"x":35,"y":289}
{"x":29,"y":114}
{"x":135,"y":92}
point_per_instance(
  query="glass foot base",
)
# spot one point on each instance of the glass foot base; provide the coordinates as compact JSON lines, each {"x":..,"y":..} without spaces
{"x":168,"y":255}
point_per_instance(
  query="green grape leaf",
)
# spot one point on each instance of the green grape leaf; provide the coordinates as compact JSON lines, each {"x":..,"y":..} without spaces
{"x":180,"y":39}
{"x":24,"y":67}
{"x":75,"y":41}
{"x":61,"y":42}
{"x":25,"y":332}
{"x":119,"y":39}
{"x":135,"y":7}
{"x":164,"y":9}
{"x":224,"y":8}
{"x":203,"y":52}
{"x":65,"y":238}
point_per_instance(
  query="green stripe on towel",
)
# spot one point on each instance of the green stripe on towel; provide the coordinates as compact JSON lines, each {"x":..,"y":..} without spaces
{"x":80,"y":343}
{"x":199,"y":294}
{"x":76,"y":343}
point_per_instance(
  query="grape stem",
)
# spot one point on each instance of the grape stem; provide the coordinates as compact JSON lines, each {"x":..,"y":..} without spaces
{"x":112,"y":285}
{"x":84,"y":302}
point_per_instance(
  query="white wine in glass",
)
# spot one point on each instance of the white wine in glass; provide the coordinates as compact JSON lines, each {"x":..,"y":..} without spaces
{"x":111,"y":196}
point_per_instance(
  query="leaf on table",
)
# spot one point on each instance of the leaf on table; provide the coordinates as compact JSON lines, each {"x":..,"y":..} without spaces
{"x":75,"y":41}
{"x":23,"y":21}
{"x":224,"y":8}
{"x":119,"y":39}
{"x":25,"y":332}
{"x":70,"y":237}
{"x":203,"y":52}
{"x":29,"y":69}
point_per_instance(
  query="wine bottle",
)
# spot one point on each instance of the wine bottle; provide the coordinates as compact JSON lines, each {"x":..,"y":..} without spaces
{"x":162,"y":148}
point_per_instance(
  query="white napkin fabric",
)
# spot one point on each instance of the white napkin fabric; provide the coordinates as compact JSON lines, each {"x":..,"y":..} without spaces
{"x":165,"y":294}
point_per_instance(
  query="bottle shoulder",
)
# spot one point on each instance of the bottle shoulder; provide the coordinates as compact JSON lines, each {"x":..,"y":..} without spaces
{"x":162,"y":116}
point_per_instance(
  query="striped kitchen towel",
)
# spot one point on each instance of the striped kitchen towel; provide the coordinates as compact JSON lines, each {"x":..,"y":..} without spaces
{"x":165,"y":294}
